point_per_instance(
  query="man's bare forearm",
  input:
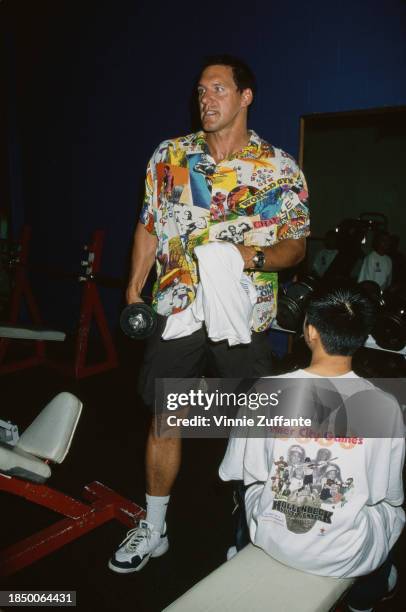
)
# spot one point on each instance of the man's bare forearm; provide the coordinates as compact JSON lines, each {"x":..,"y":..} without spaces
{"x":284,"y":254}
{"x":142,"y":260}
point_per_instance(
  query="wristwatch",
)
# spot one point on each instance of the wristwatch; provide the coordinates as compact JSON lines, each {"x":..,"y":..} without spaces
{"x":259,"y":259}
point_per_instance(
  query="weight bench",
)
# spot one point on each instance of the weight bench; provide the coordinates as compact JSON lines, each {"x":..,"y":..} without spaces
{"x":254,"y":582}
{"x":38,"y":333}
{"x":24,"y":468}
{"x":32,"y":332}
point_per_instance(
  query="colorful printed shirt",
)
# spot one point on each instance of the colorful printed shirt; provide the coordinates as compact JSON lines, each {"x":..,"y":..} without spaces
{"x":255,"y":197}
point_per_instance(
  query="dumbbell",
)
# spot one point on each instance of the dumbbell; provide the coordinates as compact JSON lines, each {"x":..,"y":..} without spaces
{"x":374,"y":293}
{"x":138,"y":321}
{"x":390,"y":329}
{"x":292,"y":303}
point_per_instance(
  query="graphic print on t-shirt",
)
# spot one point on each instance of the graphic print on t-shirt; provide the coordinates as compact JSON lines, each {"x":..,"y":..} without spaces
{"x":308,"y":489}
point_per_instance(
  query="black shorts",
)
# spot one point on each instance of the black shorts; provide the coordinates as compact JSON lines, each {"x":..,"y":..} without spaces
{"x":195,"y":355}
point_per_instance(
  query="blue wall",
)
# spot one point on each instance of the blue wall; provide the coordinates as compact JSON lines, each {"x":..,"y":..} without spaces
{"x":100,"y":87}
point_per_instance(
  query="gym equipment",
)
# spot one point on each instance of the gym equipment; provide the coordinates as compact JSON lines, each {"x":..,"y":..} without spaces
{"x":138,"y":321}
{"x":374,"y":221}
{"x":24,"y":468}
{"x":22,"y":292}
{"x":252,"y":580}
{"x":390,"y":330}
{"x":91,"y":309}
{"x":8,"y":433}
{"x":374,"y":292}
{"x":292,"y":303}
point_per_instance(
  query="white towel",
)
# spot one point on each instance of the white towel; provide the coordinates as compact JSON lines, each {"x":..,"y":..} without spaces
{"x":225,"y":298}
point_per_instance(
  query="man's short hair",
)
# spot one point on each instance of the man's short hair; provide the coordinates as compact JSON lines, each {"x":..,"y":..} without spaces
{"x":244,"y":78}
{"x":344,"y":317}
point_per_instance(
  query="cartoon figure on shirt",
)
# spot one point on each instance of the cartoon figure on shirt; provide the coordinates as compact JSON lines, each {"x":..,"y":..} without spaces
{"x":326,"y":493}
{"x":275,"y":484}
{"x":240,"y":200}
{"x":336,"y":495}
{"x":311,"y":492}
{"x":347,"y":485}
{"x":222,"y":235}
{"x":323,"y":457}
{"x":270,"y":238}
{"x":296,"y":456}
{"x":286,"y":168}
{"x":217,"y":208}
{"x":289,"y":202}
{"x":207,"y":168}
{"x":233,"y":233}
{"x":296,"y":478}
{"x":286,"y":489}
{"x":281,"y":466}
{"x":332,"y":472}
{"x":311,"y":471}
{"x":299,"y":188}
{"x":175,"y":197}
{"x":167,"y":181}
{"x":186,"y":223}
{"x":242,"y":228}
{"x":308,"y":469}
{"x":181,"y":295}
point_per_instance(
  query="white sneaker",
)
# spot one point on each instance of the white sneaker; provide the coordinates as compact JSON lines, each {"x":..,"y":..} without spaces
{"x":137,"y":547}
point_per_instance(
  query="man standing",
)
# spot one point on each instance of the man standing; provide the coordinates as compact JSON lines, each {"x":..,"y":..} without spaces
{"x":224,"y":160}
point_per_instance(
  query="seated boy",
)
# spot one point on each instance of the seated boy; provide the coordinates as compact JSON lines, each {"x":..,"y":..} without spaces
{"x":338,"y":511}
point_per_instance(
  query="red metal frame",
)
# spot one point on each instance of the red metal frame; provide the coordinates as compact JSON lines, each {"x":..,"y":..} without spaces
{"x":81,"y":518}
{"x":20,"y":291}
{"x":91,"y":307}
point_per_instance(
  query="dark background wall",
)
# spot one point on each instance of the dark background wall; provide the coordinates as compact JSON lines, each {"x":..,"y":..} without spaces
{"x":91,"y":88}
{"x":354,"y":163}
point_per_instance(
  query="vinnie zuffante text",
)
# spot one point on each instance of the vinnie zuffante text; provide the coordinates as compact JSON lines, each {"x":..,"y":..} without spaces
{"x":218,"y":400}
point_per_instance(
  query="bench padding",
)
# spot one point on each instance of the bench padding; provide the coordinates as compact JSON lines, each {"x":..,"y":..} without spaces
{"x":15,"y":332}
{"x":253,"y":582}
{"x":15,"y":462}
{"x":50,"y":435}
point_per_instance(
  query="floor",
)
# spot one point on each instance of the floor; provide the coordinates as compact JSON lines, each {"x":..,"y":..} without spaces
{"x":109,"y":447}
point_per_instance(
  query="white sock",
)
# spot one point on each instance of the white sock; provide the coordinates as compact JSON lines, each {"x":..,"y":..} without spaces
{"x":156,"y":510}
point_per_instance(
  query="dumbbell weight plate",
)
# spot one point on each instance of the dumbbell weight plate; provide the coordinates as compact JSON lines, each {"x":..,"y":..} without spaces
{"x":138,"y":321}
{"x":290,"y":314}
{"x":390,"y":329}
{"x":299,"y":291}
{"x":374,"y":293}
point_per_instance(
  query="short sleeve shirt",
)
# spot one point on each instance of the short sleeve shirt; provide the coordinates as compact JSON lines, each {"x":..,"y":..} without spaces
{"x":255,"y":197}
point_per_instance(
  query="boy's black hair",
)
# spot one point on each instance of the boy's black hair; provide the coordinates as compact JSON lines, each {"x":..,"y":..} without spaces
{"x":344,"y":317}
{"x":244,"y":78}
